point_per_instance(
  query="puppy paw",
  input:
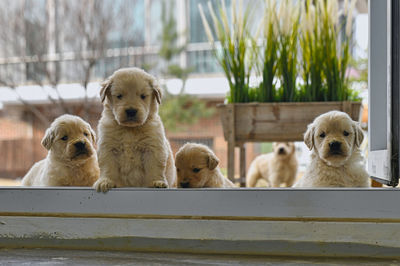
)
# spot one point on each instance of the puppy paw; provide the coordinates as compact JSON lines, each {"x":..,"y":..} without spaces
{"x":103,"y":185}
{"x":160,"y":184}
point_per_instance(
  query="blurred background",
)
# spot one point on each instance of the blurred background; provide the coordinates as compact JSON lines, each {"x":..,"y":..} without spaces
{"x":54,"y":54}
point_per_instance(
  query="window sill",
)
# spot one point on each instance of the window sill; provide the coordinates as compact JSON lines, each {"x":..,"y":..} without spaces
{"x":298,"y":222}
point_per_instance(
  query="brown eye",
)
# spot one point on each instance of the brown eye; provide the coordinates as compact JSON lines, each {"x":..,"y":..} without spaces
{"x":196,"y":170}
{"x":119,"y":96}
{"x":86,"y":134}
{"x":64,"y":138}
{"x":322,"y":135}
{"x":143,"y":96}
{"x":345,"y":133}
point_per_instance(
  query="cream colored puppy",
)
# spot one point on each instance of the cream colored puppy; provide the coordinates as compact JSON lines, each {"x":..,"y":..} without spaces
{"x":71,"y":160}
{"x":336,"y":160}
{"x":132,"y":148}
{"x":275,"y":168}
{"x":197,"y":167}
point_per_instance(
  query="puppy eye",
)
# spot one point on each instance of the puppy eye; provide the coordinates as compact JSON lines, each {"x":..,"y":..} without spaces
{"x":178,"y":169}
{"x":64,"y":138}
{"x":322,"y":135}
{"x":345,"y":133}
{"x":119,"y":96}
{"x":143,"y":96}
{"x":196,"y":170}
{"x":86,"y":134}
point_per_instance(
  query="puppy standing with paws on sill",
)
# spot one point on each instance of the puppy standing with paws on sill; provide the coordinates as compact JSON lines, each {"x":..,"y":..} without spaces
{"x":336,"y":160}
{"x":133,"y":150}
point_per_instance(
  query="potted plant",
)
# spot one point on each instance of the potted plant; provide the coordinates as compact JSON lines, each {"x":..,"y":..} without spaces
{"x":299,"y":59}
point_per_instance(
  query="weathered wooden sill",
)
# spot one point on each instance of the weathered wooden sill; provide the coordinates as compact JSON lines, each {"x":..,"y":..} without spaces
{"x":289,"y":222}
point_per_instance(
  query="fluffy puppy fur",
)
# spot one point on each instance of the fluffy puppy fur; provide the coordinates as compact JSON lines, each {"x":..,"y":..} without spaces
{"x":275,"y":168}
{"x":336,"y":160}
{"x":132,"y":149}
{"x":197,"y":167}
{"x":71,"y":160}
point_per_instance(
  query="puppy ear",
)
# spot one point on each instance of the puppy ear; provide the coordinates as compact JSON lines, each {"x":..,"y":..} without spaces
{"x":48,"y":138}
{"x":92,"y":135}
{"x":212,"y":161}
{"x":309,"y":137}
{"x":274,"y":146}
{"x":359,"y":135}
{"x":156,"y":90}
{"x":105,"y":88}
{"x":292,"y":147}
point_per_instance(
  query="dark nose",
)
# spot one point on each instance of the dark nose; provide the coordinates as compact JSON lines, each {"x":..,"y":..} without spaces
{"x":130,"y":113}
{"x":80,"y":145}
{"x":281,"y":151}
{"x":184,"y":184}
{"x":334,"y":146}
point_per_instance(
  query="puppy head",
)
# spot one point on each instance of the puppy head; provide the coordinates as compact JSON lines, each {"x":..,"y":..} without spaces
{"x":333,"y":136}
{"x":283,"y":149}
{"x":70,"y":138}
{"x":132,"y":95}
{"x":195,"y":163}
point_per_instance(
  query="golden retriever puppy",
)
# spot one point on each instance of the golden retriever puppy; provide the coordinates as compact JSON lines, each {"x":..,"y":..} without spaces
{"x":274,"y":169}
{"x":336,"y":160}
{"x":71,"y":160}
{"x":197,"y":167}
{"x":132,"y":148}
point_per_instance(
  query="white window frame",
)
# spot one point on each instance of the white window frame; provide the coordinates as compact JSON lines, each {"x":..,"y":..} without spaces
{"x":384,"y":92}
{"x":279,"y":221}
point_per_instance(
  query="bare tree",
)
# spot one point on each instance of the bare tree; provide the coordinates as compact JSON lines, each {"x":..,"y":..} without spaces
{"x":97,"y":27}
{"x":37,"y":41}
{"x":19,"y":50}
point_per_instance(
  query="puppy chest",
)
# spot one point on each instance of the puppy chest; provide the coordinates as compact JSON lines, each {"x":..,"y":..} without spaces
{"x":130,"y":161}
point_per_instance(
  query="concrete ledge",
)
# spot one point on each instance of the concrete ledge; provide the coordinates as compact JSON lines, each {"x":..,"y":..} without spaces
{"x":278,"y":238}
{"x":283,"y":222}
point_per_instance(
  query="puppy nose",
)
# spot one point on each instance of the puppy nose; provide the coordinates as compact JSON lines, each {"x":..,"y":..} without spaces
{"x":281,"y":150}
{"x":334,"y":145}
{"x":80,"y":145}
{"x":184,"y":184}
{"x":131,"y":112}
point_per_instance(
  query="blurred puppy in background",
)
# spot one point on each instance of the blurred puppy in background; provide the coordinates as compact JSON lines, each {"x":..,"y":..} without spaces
{"x":197,"y":167}
{"x":71,"y":160}
{"x":336,"y":160}
{"x":274,"y":169}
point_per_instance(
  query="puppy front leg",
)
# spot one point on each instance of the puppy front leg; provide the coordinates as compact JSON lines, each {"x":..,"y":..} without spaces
{"x":275,"y":180}
{"x":108,"y":172}
{"x":154,"y":169}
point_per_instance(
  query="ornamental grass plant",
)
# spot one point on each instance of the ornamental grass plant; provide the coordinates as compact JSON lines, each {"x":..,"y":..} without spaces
{"x":296,"y":50}
{"x":288,"y":48}
{"x":266,"y":91}
{"x":233,"y":45}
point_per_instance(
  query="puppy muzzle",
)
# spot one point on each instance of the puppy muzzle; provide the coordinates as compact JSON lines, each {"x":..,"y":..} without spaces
{"x":335,"y":148}
{"x":131,"y":114}
{"x":80,"y":149}
{"x":281,"y":151}
{"x":184,"y":184}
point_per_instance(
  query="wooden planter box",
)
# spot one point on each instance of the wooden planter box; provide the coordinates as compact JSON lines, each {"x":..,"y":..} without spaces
{"x":266,"y":122}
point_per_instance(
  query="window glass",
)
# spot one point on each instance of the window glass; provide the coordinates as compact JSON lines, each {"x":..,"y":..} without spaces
{"x":130,"y":24}
{"x":155,"y":21}
{"x":197,"y":33}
